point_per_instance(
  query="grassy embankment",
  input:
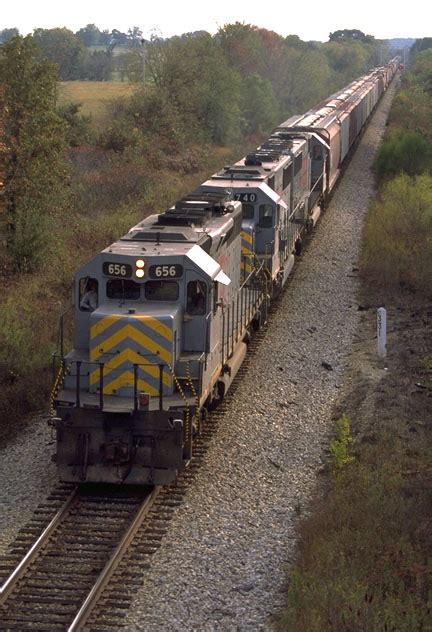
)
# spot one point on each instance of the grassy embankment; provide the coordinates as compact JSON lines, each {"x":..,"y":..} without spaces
{"x":365,"y":555}
{"x":110,"y":193}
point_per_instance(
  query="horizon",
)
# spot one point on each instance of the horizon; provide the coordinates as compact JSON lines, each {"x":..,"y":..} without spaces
{"x":168,"y":19}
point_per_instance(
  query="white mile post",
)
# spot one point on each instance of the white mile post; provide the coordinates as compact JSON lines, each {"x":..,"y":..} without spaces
{"x":382,"y":331}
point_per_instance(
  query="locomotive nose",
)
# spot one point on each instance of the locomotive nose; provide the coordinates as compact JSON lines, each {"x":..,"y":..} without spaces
{"x":133,"y":347}
{"x":247,"y":249}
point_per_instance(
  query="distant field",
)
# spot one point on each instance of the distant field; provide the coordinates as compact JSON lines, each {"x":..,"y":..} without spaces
{"x":93,"y":95}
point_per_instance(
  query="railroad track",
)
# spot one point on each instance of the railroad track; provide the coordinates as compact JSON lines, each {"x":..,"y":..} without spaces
{"x":78,"y":562}
{"x":62,"y":574}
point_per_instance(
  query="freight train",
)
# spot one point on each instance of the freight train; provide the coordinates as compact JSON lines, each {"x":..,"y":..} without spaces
{"x":163,"y":316}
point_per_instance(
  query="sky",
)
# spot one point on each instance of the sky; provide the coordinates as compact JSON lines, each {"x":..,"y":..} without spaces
{"x":311,"y":20}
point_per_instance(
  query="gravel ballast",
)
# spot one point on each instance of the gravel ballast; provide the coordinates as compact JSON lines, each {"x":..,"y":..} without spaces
{"x":223,"y":563}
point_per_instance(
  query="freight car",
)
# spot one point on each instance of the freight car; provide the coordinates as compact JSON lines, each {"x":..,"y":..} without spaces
{"x":162,"y":317}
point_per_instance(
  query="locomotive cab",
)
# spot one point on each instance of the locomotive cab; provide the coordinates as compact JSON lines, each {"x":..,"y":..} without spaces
{"x":264,"y":230}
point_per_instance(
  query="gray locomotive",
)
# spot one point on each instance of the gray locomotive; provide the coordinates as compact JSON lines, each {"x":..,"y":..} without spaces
{"x":162,"y":317}
{"x":161,"y":320}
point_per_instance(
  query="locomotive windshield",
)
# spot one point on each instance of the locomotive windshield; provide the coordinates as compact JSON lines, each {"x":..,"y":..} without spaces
{"x":161,"y":290}
{"x":123,"y":289}
{"x":248,"y":211}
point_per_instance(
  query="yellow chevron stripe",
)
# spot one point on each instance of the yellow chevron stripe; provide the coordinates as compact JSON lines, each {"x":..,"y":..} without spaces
{"x":130,"y":332}
{"x":149,"y":321}
{"x":127,"y":379}
{"x":246,"y":236}
{"x":103,"y":324}
{"x":156,"y":325}
{"x":246,"y":251}
{"x":133,"y":358}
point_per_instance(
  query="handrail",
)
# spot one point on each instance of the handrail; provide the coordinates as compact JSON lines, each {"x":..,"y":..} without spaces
{"x":60,"y":332}
{"x":101,"y":366}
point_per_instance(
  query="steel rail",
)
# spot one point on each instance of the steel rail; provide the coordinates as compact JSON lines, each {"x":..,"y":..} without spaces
{"x":34,"y":551}
{"x":103,"y":579}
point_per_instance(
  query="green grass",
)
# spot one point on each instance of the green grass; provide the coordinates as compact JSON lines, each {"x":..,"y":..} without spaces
{"x":94,"y":96}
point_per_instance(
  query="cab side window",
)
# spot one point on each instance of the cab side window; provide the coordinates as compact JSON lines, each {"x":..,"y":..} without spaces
{"x":196,"y":301}
{"x":266,"y":216}
{"x":88,"y":294}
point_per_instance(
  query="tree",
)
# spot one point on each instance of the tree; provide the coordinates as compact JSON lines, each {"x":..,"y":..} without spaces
{"x":396,"y":235}
{"x":419,"y":45}
{"x":412,"y":110}
{"x":259,"y":105}
{"x":422,"y":69}
{"x":129,"y":65}
{"x":89,"y":35}
{"x":8,"y":34}
{"x":196,"y":78}
{"x":33,"y":139}
{"x":63,"y":48}
{"x":105,"y":38}
{"x":118,"y":37}
{"x":350,"y":34}
{"x":404,"y":151}
{"x":247,"y":47}
{"x":78,"y":126}
{"x":134,"y":37}
{"x":97,"y":66}
{"x":349,"y":58}
{"x":305,"y":78}
{"x":293,"y":41}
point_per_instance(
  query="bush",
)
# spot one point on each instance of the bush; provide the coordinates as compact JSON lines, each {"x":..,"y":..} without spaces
{"x":77,"y":126}
{"x":26,"y":343}
{"x":363,"y":564}
{"x":340,"y":444}
{"x":397,"y":235}
{"x":403,"y":151}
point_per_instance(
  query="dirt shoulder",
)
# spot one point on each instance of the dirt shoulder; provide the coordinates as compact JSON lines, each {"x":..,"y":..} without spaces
{"x":392,"y":394}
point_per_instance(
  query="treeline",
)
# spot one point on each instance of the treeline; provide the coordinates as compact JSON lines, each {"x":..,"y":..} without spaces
{"x":398,"y":230}
{"x":91,"y":54}
{"x":242,"y":80}
{"x":200,"y":89}
{"x":87,"y":55}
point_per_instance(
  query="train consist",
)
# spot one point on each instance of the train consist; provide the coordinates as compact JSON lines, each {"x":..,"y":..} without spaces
{"x":163,"y":316}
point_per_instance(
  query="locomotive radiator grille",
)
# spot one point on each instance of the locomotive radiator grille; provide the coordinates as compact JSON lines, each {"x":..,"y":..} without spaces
{"x":122,"y":341}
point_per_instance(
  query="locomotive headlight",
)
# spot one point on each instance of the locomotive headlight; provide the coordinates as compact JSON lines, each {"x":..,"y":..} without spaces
{"x":139,"y":268}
